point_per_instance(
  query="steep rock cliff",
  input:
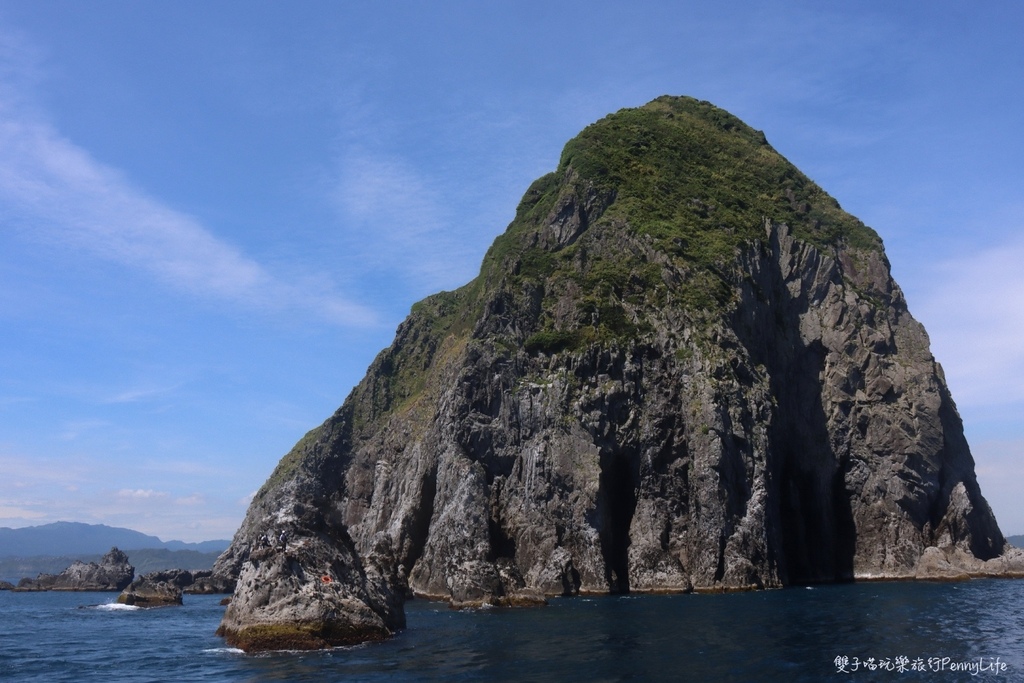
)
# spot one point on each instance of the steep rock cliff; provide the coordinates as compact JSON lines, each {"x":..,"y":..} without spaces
{"x":682,"y":367}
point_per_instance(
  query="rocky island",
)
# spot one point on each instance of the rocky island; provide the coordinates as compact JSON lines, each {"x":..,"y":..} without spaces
{"x":683,"y":367}
{"x":112,"y":573}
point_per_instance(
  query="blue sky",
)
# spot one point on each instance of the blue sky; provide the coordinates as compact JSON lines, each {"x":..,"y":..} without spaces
{"x":213,"y":215}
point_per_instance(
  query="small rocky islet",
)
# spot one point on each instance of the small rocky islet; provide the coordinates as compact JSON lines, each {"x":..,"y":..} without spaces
{"x":114,"y":573}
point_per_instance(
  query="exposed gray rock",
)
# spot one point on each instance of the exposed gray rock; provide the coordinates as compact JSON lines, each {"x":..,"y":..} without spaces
{"x":156,"y":589}
{"x":205,"y":582}
{"x":6,"y":586}
{"x":113,"y":573}
{"x":309,"y":590}
{"x":608,"y":409}
{"x":162,"y":588}
{"x":954,"y":564}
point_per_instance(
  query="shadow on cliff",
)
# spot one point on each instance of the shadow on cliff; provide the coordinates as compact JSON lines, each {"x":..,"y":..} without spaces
{"x":815,"y":513}
{"x":814,"y":525}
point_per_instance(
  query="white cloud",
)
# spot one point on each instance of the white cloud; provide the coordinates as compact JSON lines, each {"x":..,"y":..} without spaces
{"x":402,"y":224}
{"x":184,"y":467}
{"x":974,"y":314}
{"x":142,"y":494}
{"x":12,"y":514}
{"x":1000,"y":469}
{"x":38,"y":490}
{"x":58,"y":194}
{"x":194,"y":499}
{"x":973,"y":309}
{"x":21,"y":470}
{"x":73,"y":200}
{"x":139,"y":394}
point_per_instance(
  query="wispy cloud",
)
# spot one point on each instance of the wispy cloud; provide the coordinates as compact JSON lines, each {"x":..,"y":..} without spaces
{"x":1000,"y":468}
{"x":38,"y":490}
{"x":192,"y":500}
{"x":402,"y":222}
{"x":18,"y":515}
{"x":28,"y":489}
{"x":142,"y":494}
{"x":71,"y":199}
{"x":22,"y":470}
{"x":139,"y":394}
{"x":59,"y":194}
{"x":187,"y":468}
{"x":6,"y":401}
{"x":76,"y":428}
{"x":974,"y":313}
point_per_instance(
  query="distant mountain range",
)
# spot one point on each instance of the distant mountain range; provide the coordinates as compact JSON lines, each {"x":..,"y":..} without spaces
{"x":1016,"y":541}
{"x":75,"y":538}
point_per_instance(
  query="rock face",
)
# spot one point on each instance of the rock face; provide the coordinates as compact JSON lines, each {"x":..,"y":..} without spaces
{"x":162,"y":588}
{"x":311,"y":590}
{"x":205,"y":582}
{"x":113,"y":573}
{"x":157,"y":589}
{"x":682,"y":367}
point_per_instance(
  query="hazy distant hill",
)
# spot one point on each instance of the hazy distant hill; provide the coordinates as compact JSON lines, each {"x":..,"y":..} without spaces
{"x":1016,"y":541}
{"x":75,"y":539}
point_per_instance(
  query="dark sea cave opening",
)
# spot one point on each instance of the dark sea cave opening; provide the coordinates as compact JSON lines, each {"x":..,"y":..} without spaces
{"x":818,"y":533}
{"x":616,"y":503}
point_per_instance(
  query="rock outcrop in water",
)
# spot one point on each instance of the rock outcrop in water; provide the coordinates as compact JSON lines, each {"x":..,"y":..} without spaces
{"x":156,"y":589}
{"x":113,"y":573}
{"x":682,"y":367}
{"x":166,"y":587}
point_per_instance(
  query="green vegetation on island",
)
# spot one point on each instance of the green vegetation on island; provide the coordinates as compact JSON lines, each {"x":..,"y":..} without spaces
{"x":654,"y":202}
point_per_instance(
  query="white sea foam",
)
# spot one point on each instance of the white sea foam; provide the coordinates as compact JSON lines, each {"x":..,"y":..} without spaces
{"x":116,"y":607}
{"x":224,"y":651}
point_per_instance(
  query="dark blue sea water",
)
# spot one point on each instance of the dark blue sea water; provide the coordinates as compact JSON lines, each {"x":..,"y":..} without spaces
{"x":905,"y":631}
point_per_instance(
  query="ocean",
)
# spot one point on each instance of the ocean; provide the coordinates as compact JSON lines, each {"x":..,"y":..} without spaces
{"x":970,"y":631}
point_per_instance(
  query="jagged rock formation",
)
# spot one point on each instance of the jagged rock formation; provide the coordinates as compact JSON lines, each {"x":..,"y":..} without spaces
{"x":205,"y":582}
{"x":161,"y":588}
{"x":113,"y":573}
{"x":156,"y":589}
{"x":313,"y":591}
{"x":682,"y":367}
